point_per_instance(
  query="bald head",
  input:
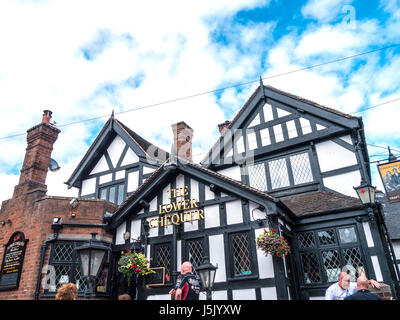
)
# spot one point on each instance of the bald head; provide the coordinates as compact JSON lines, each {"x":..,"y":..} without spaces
{"x":186,"y":267}
{"x":362,"y":283}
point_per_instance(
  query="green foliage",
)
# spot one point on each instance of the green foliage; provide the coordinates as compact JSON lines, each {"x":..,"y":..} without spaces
{"x":272,"y":243}
{"x":133,"y":263}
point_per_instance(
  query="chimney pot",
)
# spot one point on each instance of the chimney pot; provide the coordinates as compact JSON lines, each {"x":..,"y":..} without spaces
{"x":46,"y":116}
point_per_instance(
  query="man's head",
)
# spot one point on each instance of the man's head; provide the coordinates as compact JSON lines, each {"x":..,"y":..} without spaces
{"x":362,"y":283}
{"x":186,"y":267}
{"x":344,"y":280}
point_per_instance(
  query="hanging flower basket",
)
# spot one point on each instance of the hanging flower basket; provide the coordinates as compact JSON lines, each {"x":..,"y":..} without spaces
{"x":133,"y":263}
{"x":270,"y":242}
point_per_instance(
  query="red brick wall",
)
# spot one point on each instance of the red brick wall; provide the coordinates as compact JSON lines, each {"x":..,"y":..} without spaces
{"x":34,"y":220}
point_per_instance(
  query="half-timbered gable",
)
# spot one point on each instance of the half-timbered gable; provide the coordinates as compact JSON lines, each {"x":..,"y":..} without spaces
{"x":116,"y":163}
{"x":192,"y":212}
{"x":284,"y":144}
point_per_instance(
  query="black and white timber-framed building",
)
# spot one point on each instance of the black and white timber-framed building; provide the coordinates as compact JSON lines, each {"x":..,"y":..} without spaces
{"x":283,"y":162}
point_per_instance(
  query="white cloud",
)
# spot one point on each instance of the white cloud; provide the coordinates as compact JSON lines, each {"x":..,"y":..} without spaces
{"x":324,"y":10}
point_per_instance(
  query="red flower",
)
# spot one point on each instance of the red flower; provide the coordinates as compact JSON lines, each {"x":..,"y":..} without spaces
{"x":280,"y":247}
{"x":127,"y":250}
{"x":273,"y":230}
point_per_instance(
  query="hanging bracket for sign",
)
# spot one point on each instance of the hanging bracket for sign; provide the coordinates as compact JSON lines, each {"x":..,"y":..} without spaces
{"x":11,"y":268}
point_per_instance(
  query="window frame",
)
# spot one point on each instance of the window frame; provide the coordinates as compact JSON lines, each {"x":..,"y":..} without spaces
{"x":290,"y":174}
{"x":108,"y":186}
{"x":229,"y":251}
{"x":185,"y":247}
{"x":74,"y":264}
{"x":154,"y":256}
{"x":318,"y":250}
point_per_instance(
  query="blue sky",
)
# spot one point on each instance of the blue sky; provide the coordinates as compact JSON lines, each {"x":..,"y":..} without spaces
{"x":84,"y":59}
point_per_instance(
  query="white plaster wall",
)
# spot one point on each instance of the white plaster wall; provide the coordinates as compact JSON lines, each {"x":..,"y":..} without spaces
{"x":165,"y":195}
{"x":153,"y":232}
{"x":268,"y":293}
{"x":257,"y":214}
{"x":332,"y":156}
{"x":344,"y":183}
{"x":268,"y":115}
{"x":133,"y":181}
{"x":168,"y":229}
{"x":191,"y":226}
{"x":252,"y":141}
{"x":347,"y":139}
{"x":130,"y":157}
{"x":178,"y":255}
{"x":194,"y":189}
{"x":291,"y":127}
{"x":377,"y":268}
{"x":265,"y":138}
{"x":101,"y":166}
{"x":180,"y":183}
{"x":305,"y":126}
{"x":135,"y":228}
{"x":396,"y":248}
{"x":105,"y":178}
{"x":234,"y":212}
{"x":115,"y":150}
{"x":88,"y":186}
{"x":368,"y":234}
{"x":255,"y":121}
{"x":153,"y":204}
{"x":119,"y":237}
{"x":211,"y":216}
{"x":278,"y":133}
{"x":209,"y":195}
{"x":217,"y":256}
{"x":232,"y":172}
{"x":220,"y":295}
{"x":265,"y":264}
{"x":148,"y":170}
{"x":120,"y":175}
{"x":244,"y":294}
{"x":317,"y":298}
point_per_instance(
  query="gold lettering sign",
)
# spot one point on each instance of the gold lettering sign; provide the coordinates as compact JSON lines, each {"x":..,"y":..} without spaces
{"x":177,"y":212}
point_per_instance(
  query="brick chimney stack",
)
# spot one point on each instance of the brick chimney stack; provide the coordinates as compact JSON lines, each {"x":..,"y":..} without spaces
{"x":223,"y":127}
{"x":183,"y":140}
{"x":40,"y":140}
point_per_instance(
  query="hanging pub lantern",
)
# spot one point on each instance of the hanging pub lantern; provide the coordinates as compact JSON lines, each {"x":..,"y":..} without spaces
{"x":366,"y":192}
{"x":91,"y":256}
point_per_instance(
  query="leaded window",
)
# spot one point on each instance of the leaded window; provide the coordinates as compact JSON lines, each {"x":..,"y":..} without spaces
{"x":195,"y":253}
{"x":284,"y":172}
{"x":162,"y":258}
{"x":327,"y":252}
{"x":241,"y":257}
{"x":113,"y":193}
{"x":64,"y":267}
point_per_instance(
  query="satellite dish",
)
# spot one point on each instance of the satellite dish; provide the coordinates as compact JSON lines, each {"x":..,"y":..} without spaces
{"x":53,"y":165}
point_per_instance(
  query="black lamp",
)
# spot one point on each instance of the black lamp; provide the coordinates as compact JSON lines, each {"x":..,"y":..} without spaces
{"x":366,"y":192}
{"x":207,"y":272}
{"x":91,"y":256}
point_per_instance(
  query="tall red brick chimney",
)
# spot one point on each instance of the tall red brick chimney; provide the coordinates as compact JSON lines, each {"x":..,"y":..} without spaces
{"x":183,"y":140}
{"x":40,"y":140}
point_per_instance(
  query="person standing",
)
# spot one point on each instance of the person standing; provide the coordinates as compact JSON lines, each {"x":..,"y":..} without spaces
{"x":187,"y":285}
{"x":363,"y":293}
{"x":344,"y":288}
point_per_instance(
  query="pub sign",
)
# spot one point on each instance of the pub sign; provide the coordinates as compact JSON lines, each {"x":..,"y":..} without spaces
{"x":13,"y":259}
{"x":390,"y":174}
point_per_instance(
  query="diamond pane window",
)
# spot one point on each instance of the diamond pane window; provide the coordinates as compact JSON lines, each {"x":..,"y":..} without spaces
{"x":257,"y":177}
{"x":63,"y":252}
{"x":331,"y":263}
{"x":279,"y":173}
{"x":241,"y":254}
{"x":352,"y":257}
{"x":347,"y":235}
{"x":326,"y":237}
{"x":163,"y":257}
{"x":306,"y":239}
{"x":195,"y":253}
{"x":311,"y":269}
{"x":301,"y":168}
{"x":62,"y":273}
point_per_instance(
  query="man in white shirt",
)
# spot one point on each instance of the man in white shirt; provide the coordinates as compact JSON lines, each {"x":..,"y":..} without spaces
{"x":344,"y":288}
